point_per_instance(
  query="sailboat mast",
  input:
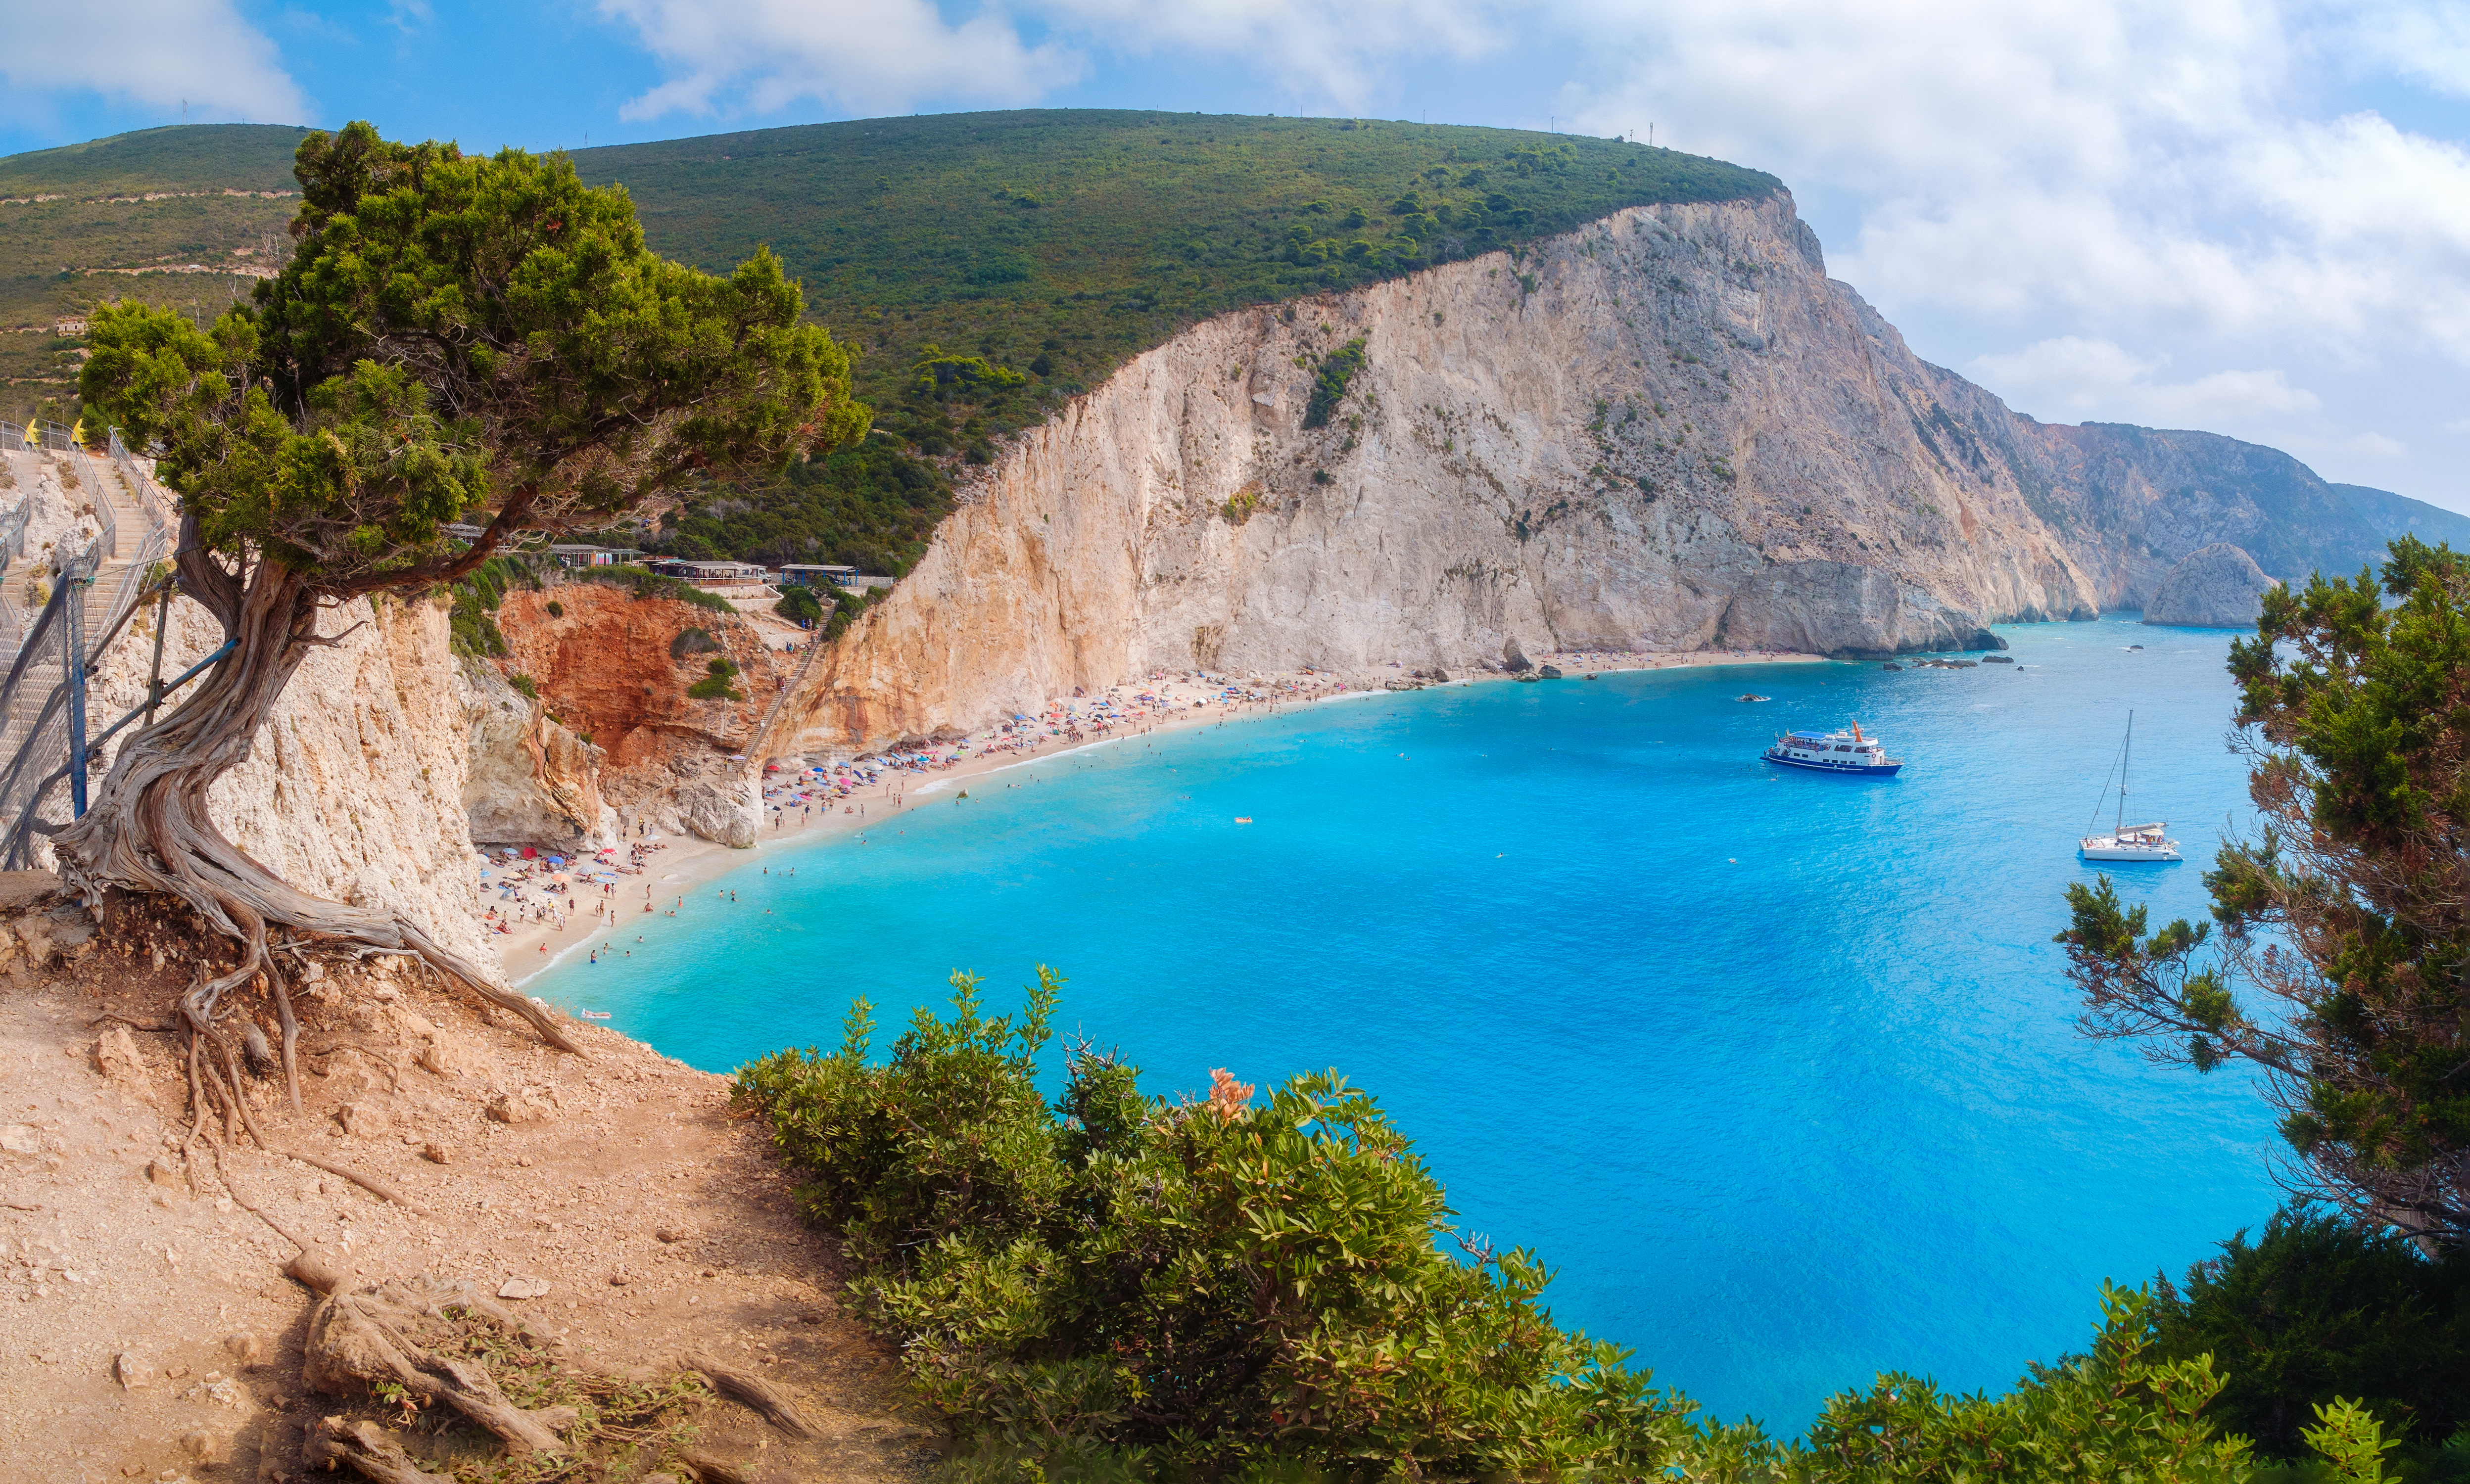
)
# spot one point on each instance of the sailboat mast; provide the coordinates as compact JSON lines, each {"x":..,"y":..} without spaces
{"x":2124,"y":748}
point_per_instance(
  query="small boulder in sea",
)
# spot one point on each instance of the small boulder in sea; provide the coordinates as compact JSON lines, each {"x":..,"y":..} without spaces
{"x":1549,"y":672}
{"x":1891,"y":666}
{"x":1996,"y":660}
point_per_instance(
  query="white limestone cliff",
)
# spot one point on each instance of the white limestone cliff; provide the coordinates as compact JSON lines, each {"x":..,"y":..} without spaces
{"x":355,"y":790}
{"x":1667,"y":430}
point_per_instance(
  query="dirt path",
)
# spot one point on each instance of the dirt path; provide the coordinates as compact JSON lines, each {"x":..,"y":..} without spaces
{"x":146,"y":1328}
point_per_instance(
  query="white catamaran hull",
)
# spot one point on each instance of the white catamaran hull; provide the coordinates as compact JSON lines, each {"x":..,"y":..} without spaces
{"x":2144,"y":843}
{"x":2097,"y":850}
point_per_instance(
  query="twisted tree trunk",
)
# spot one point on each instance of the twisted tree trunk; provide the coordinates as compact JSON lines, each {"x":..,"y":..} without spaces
{"x":147,"y":828}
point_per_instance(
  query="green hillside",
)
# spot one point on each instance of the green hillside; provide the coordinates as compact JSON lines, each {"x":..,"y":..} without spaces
{"x":196,"y":157}
{"x":170,"y":215}
{"x":981,"y":265}
{"x":986,"y":266}
{"x":1103,"y":232}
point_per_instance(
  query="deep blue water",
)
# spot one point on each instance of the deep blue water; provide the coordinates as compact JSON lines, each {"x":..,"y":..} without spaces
{"x":1779,"y":1070}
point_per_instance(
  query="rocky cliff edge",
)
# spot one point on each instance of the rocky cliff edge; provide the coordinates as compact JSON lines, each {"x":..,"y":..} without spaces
{"x":1670,"y":430}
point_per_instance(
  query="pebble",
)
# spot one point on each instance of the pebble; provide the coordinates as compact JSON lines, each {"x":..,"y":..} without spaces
{"x":132,"y":1370}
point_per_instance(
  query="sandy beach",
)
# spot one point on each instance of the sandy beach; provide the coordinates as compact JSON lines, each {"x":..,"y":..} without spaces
{"x":633,"y":892}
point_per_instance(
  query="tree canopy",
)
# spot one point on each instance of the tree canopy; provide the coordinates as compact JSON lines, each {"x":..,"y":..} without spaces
{"x":2347,"y":914}
{"x":461,"y":338}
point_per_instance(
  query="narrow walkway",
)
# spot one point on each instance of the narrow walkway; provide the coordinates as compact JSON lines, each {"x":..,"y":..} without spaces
{"x":757,"y":742}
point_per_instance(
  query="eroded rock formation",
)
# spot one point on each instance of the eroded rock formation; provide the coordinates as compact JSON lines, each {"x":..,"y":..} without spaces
{"x":617,"y":670}
{"x":2219,"y":587}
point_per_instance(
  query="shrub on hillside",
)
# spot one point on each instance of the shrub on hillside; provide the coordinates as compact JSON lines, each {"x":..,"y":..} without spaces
{"x":472,"y":624}
{"x":1329,"y":384}
{"x":1122,"y":1285}
{"x":1111,"y":1286}
{"x":800,"y":605}
{"x":715,"y":684}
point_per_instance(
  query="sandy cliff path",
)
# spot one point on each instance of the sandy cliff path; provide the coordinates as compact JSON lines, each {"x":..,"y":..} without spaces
{"x":149,"y":1329}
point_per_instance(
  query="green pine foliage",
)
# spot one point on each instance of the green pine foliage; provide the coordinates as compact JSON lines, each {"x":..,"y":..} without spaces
{"x":2318,"y":1309}
{"x":1108,"y":1285}
{"x":2342,"y":964}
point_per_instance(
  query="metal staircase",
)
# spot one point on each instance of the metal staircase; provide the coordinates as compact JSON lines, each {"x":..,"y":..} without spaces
{"x":44,"y":739}
{"x":756,"y":752}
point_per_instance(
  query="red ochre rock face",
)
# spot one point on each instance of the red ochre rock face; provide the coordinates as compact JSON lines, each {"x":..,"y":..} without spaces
{"x":613,"y":667}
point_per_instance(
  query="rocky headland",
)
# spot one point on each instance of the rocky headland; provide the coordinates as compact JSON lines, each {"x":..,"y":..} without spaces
{"x":2217,"y":587}
{"x":1669,"y":430}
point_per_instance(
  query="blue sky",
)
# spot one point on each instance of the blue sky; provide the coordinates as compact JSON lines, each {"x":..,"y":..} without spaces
{"x":2247,"y":216}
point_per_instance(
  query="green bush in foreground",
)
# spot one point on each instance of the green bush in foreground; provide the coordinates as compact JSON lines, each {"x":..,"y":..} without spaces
{"x":1112,"y":1286}
{"x":2316,"y":1308}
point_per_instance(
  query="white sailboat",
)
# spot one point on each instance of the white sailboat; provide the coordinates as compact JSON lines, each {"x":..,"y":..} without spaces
{"x":2127,"y":842}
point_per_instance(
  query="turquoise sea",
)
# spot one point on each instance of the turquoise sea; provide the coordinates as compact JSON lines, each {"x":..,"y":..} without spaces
{"x":1777,"y":1070}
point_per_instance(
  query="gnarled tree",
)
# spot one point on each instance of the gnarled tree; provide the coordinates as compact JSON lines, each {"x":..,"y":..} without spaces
{"x":2348,"y":911}
{"x":454,"y":339}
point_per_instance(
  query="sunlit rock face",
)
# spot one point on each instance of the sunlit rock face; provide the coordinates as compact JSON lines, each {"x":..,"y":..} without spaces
{"x":2218,"y":587}
{"x":1667,"y":430}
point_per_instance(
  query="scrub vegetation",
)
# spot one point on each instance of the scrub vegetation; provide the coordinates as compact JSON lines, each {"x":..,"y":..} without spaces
{"x":1107,"y":1285}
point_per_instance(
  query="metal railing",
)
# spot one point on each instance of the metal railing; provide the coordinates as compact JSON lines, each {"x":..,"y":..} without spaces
{"x":149,"y":495}
{"x":97,"y":498}
{"x":54,"y":438}
{"x":12,"y":438}
{"x":43,"y":732}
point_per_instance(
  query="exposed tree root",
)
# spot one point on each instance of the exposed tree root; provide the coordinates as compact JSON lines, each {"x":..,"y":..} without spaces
{"x":752,"y":1391}
{"x":384,"y":1333}
{"x":710,"y":1469}
{"x":149,"y":828}
{"x":367,"y":1182}
{"x":366,"y":1448}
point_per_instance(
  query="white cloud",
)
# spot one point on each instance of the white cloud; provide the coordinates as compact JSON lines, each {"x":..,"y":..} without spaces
{"x":2091,"y":378}
{"x":160,"y":53}
{"x":2152,"y":164}
{"x":881,"y":58}
{"x":2370,"y":444}
{"x":860,"y":57}
{"x":1332,"y":55}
